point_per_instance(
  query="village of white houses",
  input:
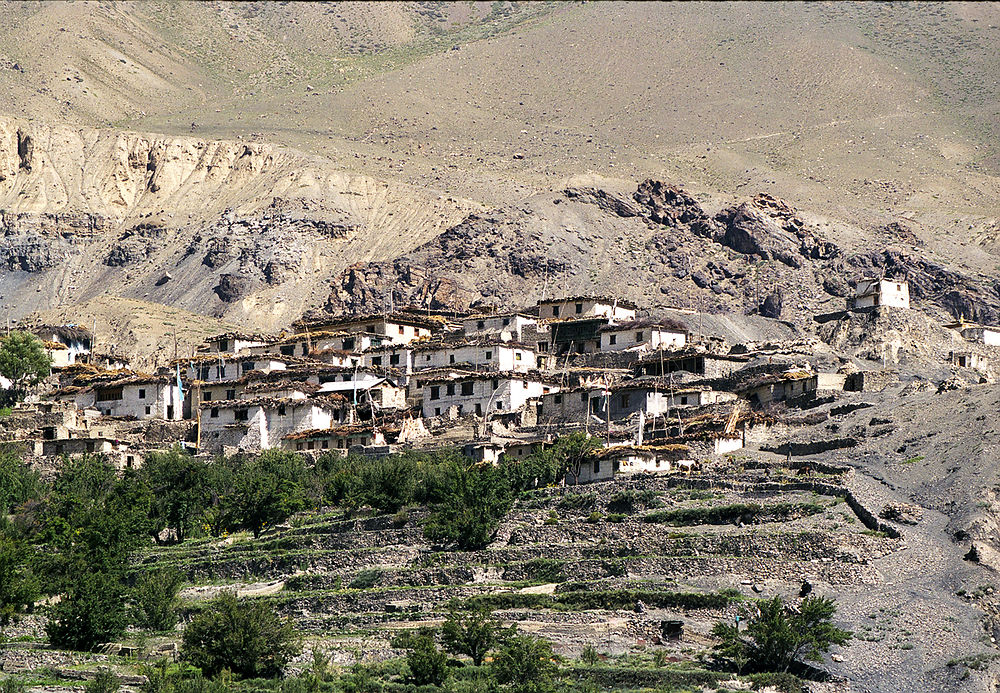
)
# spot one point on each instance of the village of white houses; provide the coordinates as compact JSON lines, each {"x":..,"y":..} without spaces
{"x":499,"y":347}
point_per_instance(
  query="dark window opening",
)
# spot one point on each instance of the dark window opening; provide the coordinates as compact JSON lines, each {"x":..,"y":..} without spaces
{"x":241,"y":415}
{"x":435,"y":393}
{"x":467,"y":388}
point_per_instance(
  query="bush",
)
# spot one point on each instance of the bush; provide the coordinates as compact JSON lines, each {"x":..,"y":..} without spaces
{"x":609,"y":600}
{"x":545,"y":570}
{"x":473,"y":503}
{"x":92,"y":613}
{"x":526,"y":665}
{"x":594,"y":517}
{"x":154,"y":599}
{"x":366,"y":579}
{"x":474,"y":634}
{"x":267,"y":490}
{"x":776,"y":636}
{"x":577,"y":501}
{"x":106,"y":681}
{"x":732,"y":514}
{"x":629,"y":501}
{"x":615,"y":517}
{"x":428,"y":665}
{"x":248,"y":639}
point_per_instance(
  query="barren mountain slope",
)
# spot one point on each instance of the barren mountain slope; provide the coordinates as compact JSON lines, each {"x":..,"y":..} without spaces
{"x":246,"y":231}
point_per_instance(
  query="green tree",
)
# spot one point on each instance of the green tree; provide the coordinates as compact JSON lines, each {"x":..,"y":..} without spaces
{"x":182,"y":488}
{"x":106,"y":681}
{"x":154,"y":599}
{"x":92,"y":612}
{"x":525,"y":665}
{"x":18,"y":482}
{"x":23,"y":361}
{"x":776,"y":636}
{"x":267,"y":490}
{"x":18,"y":585}
{"x":248,"y":639}
{"x":473,"y":634}
{"x":428,"y":665}
{"x":565,"y":457}
{"x":474,"y":501}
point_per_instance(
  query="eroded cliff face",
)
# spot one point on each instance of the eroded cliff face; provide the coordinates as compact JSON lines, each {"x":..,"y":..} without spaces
{"x":245,"y":231}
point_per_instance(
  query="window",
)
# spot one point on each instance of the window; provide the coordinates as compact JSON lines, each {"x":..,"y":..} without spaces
{"x":223,"y":345}
{"x":595,"y":404}
{"x":109,"y":394}
{"x":281,"y":410}
{"x":517,"y":355}
{"x":348,"y":344}
{"x":311,"y":445}
{"x":220,"y":372}
{"x":298,"y":446}
{"x":684,"y":400}
{"x":638,"y":336}
{"x":427,"y":357}
{"x":467,"y":388}
{"x":435,"y":393}
{"x":597,"y":466}
{"x":287,"y":350}
{"x":401,"y":330}
{"x":495,"y":383}
{"x":305,"y":348}
{"x":579,"y":308}
{"x":451,"y":358}
{"x":214,"y":413}
{"x":142,"y":394}
{"x":369,"y":328}
{"x":479,"y":409}
{"x":376,"y":360}
{"x":204,"y":372}
{"x":625,"y":400}
{"x":555,"y":311}
{"x":394,"y":359}
{"x":451,"y":388}
{"x":326,"y":445}
{"x":480,"y":325}
{"x":346,"y":377}
{"x":613,"y":339}
{"x":437,"y":411}
{"x":558,"y":399}
{"x":241,"y":415}
{"x":499,"y":405}
{"x":246,"y":366}
{"x":506,"y":321}
{"x":149,"y":410}
{"x":230,"y":394}
{"x":489,"y":355}
{"x":583,"y":396}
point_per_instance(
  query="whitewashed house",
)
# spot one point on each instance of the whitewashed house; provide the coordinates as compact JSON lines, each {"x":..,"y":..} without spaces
{"x":643,"y":335}
{"x":509,"y":327}
{"x":233,"y":343}
{"x":587,"y":307}
{"x":399,"y":328}
{"x":138,"y":397}
{"x":482,"y":393}
{"x":880,"y":292}
{"x":65,"y":344}
{"x":262,"y":423}
{"x":622,"y":460}
{"x":477,"y":355}
{"x":218,"y":368}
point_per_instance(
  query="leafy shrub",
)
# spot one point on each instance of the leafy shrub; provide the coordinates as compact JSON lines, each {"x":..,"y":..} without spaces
{"x":91,"y":613}
{"x":428,"y":665}
{"x":594,"y":517}
{"x":473,"y":634}
{"x":629,"y":501}
{"x":106,"y":681}
{"x":526,"y":665}
{"x":545,"y":570}
{"x":577,"y":501}
{"x":732,"y":514}
{"x":154,"y":599}
{"x":366,"y":579}
{"x":248,"y":639}
{"x":615,"y":517}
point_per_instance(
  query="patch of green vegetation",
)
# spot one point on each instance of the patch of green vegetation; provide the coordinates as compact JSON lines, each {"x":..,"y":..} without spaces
{"x":732,"y":514}
{"x":914,"y":460}
{"x":607,"y":600}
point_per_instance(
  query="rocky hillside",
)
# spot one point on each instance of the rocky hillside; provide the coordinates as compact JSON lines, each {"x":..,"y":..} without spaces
{"x":660,"y":247}
{"x":244,"y":231}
